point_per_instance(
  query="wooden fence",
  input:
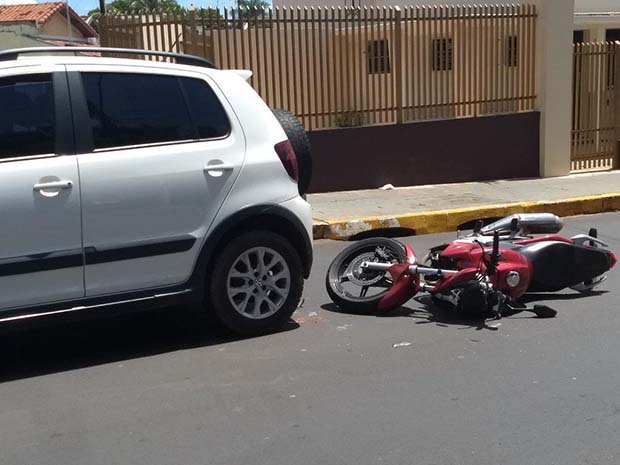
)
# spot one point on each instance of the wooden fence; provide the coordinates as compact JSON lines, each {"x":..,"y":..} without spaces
{"x":338,"y":67}
{"x":596,"y":106}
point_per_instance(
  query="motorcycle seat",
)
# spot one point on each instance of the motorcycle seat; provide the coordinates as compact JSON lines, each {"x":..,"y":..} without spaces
{"x":557,"y":265}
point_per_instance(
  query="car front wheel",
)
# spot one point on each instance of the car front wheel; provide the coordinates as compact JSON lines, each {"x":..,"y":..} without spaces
{"x":256,"y":283}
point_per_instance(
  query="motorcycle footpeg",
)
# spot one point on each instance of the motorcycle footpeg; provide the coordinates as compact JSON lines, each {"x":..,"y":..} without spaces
{"x":542,"y":311}
{"x":516,"y":306}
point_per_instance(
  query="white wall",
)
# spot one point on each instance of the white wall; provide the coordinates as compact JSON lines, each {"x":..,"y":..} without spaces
{"x":596,"y":6}
{"x":554,"y":84}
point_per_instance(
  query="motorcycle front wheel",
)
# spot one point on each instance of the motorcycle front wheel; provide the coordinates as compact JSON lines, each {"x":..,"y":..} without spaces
{"x":357,"y":290}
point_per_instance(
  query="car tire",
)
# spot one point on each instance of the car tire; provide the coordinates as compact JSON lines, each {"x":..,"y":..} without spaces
{"x":296,"y":134}
{"x":244,"y":296}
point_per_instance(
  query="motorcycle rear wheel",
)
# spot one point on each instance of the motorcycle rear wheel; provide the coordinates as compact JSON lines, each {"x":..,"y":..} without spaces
{"x":345,"y":270}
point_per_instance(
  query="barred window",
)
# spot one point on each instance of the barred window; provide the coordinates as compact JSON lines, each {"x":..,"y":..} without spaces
{"x":442,"y":54}
{"x":378,"y":56}
{"x":512,"y":51}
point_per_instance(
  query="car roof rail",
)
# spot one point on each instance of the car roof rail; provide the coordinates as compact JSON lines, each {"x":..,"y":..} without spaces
{"x":180,"y":58}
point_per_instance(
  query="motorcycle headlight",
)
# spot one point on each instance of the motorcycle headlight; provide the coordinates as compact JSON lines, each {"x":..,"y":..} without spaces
{"x":513,"y":278}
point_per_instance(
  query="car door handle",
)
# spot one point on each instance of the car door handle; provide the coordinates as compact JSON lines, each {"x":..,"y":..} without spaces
{"x":217,"y":170}
{"x":53,"y":185}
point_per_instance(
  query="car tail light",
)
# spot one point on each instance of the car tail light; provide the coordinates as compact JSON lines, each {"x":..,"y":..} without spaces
{"x":612,"y":260}
{"x":289,"y":160}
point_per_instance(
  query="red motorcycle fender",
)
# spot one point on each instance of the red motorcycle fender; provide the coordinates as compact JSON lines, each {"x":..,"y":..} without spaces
{"x":405,"y":285}
{"x":466,"y":274}
{"x":411,"y":258}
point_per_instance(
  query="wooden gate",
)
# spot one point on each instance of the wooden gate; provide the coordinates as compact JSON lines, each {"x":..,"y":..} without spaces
{"x":596,"y":106}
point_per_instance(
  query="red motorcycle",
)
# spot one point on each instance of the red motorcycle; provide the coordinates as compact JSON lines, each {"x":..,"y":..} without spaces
{"x":485,"y":273}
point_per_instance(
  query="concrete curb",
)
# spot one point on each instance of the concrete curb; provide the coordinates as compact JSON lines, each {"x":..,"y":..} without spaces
{"x":438,"y":221}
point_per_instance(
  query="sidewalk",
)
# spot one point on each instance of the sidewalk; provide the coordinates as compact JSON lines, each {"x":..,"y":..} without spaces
{"x":441,"y":208}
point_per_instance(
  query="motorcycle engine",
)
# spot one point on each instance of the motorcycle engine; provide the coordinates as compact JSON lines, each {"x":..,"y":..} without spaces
{"x":476,"y":300}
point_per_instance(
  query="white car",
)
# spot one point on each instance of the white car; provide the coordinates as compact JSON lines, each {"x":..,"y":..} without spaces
{"x":142,"y":184}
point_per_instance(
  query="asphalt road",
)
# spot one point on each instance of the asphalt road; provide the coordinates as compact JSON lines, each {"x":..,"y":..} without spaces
{"x":331,"y":389}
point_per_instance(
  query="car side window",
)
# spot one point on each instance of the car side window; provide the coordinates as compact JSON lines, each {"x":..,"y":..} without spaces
{"x":129,"y":109}
{"x":26,"y":116}
{"x":208,"y":115}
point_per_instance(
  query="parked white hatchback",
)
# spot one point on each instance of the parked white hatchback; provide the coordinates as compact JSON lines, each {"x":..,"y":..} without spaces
{"x":143,"y":184}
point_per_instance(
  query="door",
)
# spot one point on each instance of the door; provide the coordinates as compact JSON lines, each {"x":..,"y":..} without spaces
{"x":40,"y":233}
{"x":150,"y":183}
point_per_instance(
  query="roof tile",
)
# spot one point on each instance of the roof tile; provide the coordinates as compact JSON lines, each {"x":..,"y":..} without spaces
{"x":39,"y":12}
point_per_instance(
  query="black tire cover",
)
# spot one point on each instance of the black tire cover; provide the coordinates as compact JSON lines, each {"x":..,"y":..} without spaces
{"x":296,"y":134}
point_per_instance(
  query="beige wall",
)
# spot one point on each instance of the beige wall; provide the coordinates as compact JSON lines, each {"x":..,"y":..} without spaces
{"x":57,"y":26}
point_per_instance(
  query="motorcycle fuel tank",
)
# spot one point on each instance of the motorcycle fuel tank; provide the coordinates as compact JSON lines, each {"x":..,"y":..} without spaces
{"x":514,"y":270}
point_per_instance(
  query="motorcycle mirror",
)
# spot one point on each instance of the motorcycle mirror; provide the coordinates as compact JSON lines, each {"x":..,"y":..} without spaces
{"x":495,"y":252}
{"x":478,"y":226}
{"x":514,"y":225}
{"x":593,"y":233}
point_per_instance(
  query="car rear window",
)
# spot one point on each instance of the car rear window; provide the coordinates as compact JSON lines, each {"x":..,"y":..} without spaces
{"x":26,"y":116}
{"x":207,"y":112}
{"x":128,"y":109}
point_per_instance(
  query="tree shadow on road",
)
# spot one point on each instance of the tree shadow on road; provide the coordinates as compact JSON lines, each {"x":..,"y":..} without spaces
{"x":68,"y":345}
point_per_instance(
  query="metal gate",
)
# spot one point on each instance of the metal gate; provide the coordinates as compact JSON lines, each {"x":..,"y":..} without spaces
{"x":596,"y":106}
{"x":358,"y":66}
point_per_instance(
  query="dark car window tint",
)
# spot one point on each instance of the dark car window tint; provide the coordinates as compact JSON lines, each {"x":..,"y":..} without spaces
{"x":26,"y":115}
{"x":207,"y":112}
{"x":133,"y":109}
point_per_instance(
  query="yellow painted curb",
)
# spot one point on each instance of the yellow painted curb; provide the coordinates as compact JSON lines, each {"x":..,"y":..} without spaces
{"x":448,"y":220}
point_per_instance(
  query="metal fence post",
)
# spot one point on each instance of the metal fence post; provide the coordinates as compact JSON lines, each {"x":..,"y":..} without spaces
{"x":398,"y":64}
